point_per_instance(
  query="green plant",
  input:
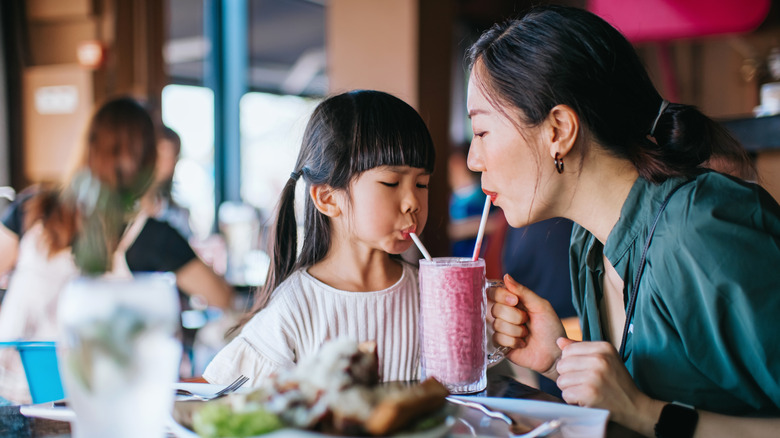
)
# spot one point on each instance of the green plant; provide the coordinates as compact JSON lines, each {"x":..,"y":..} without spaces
{"x":104,"y":214}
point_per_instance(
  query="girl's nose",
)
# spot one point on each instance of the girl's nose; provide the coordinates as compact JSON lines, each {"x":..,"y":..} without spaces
{"x":410,"y":203}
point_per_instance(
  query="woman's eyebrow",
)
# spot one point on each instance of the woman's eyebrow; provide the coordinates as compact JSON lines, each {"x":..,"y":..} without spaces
{"x":476,"y":112}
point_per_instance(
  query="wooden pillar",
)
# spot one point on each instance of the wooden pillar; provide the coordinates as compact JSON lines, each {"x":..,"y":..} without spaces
{"x":136,"y":57}
{"x":403,"y":47}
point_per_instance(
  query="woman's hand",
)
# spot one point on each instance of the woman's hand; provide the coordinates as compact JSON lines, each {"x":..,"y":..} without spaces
{"x":527,"y":323}
{"x":591,"y":374}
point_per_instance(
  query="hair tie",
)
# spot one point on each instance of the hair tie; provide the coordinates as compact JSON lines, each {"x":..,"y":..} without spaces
{"x":295,"y":175}
{"x":661,"y":110}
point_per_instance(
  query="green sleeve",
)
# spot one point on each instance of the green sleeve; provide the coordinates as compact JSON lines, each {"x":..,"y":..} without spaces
{"x":716,"y":285}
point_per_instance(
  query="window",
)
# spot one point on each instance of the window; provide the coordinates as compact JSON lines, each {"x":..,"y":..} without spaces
{"x":286,"y":76}
{"x":189,"y":110}
{"x":271,"y":132}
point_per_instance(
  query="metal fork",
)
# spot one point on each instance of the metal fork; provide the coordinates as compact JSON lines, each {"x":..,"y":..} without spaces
{"x":238,"y":383}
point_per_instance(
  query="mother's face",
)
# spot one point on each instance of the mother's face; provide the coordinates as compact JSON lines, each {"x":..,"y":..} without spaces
{"x":509,"y":161}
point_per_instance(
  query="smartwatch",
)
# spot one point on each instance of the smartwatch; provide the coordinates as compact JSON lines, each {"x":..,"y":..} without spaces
{"x":677,"y":420}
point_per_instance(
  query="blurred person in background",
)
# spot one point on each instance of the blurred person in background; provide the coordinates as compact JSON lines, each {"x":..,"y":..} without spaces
{"x":52,"y":244}
{"x":466,"y":204}
{"x":158,"y":201}
{"x":537,"y":256}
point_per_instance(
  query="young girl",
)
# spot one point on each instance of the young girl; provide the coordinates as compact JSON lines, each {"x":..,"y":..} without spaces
{"x":366,"y":159}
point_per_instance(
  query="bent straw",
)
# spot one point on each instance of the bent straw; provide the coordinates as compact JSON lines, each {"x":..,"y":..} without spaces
{"x":419,"y":244}
{"x":481,"y":232}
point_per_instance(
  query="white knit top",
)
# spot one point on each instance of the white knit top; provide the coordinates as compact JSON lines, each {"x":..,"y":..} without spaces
{"x":303,"y":313}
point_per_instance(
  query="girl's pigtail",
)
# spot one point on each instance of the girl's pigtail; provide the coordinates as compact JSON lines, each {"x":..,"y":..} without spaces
{"x":283,"y":250}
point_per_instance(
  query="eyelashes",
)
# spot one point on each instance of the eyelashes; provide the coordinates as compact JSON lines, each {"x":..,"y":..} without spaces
{"x":388,"y":184}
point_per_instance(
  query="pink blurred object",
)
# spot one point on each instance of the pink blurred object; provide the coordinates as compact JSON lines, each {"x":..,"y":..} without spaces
{"x":661,"y":20}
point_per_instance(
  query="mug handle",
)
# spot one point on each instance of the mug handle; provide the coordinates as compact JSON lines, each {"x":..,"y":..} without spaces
{"x":498,"y":354}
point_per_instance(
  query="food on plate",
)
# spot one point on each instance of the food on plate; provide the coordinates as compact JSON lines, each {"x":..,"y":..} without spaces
{"x":337,"y":391}
{"x":396,"y":410}
{"x":217,"y":420}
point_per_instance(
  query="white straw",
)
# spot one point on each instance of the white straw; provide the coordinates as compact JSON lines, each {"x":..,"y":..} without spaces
{"x":419,"y":244}
{"x":481,"y":232}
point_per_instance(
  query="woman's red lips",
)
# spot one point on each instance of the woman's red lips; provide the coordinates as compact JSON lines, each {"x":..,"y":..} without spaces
{"x":405,"y":232}
{"x":492,"y":195}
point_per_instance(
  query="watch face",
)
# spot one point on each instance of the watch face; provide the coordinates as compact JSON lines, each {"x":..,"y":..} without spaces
{"x":676,"y":421}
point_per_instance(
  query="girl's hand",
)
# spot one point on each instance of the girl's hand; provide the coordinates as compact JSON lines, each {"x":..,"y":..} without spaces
{"x":527,"y":323}
{"x":591,"y":374}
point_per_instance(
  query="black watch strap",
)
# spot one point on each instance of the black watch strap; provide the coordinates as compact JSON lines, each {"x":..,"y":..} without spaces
{"x":677,"y":421}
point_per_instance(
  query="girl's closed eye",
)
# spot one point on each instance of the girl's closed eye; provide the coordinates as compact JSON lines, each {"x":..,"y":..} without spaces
{"x":389,"y":184}
{"x":480,"y":134}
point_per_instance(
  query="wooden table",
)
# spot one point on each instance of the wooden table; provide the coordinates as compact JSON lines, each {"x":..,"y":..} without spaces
{"x":14,"y":424}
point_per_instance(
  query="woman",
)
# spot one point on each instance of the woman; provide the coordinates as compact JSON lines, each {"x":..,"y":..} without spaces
{"x":562,"y":86}
{"x":66,"y":232}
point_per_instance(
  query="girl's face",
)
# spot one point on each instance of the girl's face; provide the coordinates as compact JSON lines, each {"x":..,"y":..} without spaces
{"x":508,"y":161}
{"x":387,"y":203}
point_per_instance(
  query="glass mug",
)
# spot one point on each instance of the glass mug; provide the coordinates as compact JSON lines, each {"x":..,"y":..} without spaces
{"x":453,"y":334}
{"x":120,"y":354}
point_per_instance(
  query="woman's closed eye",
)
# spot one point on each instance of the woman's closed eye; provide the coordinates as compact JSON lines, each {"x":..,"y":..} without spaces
{"x":422,"y":185}
{"x":480,"y":134}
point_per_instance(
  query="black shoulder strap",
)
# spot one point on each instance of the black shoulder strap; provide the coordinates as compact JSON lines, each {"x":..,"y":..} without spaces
{"x":640,"y":269}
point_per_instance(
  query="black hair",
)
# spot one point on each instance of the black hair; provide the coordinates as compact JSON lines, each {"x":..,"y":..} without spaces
{"x":347,"y":135}
{"x":164,"y":189}
{"x":557,"y":55}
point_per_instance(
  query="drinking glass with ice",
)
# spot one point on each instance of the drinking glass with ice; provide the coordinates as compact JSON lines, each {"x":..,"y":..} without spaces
{"x":120,"y":354}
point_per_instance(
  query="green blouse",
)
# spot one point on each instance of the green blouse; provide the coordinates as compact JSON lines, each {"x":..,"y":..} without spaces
{"x":706,"y":329}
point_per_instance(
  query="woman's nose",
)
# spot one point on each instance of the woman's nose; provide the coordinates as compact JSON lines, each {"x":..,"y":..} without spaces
{"x":474,"y":159}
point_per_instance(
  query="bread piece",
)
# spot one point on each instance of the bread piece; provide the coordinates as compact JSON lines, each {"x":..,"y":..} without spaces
{"x":398,"y":410}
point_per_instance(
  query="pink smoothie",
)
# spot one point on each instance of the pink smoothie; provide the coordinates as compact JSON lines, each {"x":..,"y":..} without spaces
{"x":452,"y":322}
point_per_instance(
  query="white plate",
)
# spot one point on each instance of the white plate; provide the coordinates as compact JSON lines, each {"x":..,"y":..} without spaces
{"x":180,"y":431}
{"x":64,"y":413}
{"x":48,"y":411}
{"x":207,"y":389}
{"x":578,"y":422}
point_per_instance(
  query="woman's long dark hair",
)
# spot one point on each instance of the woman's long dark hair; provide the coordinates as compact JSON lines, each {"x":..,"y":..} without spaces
{"x":347,"y":135}
{"x":557,"y":55}
{"x":119,"y":153}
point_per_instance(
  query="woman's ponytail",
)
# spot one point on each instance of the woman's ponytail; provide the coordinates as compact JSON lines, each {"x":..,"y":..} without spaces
{"x":687,"y":139}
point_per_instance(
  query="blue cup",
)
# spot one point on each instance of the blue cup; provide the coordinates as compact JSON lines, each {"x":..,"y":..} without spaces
{"x":39,"y":360}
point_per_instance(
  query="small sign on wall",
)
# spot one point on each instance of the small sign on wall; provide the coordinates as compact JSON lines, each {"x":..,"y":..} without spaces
{"x":58,"y":99}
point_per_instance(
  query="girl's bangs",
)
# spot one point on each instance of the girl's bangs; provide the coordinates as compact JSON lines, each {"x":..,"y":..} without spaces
{"x":391,"y":134}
